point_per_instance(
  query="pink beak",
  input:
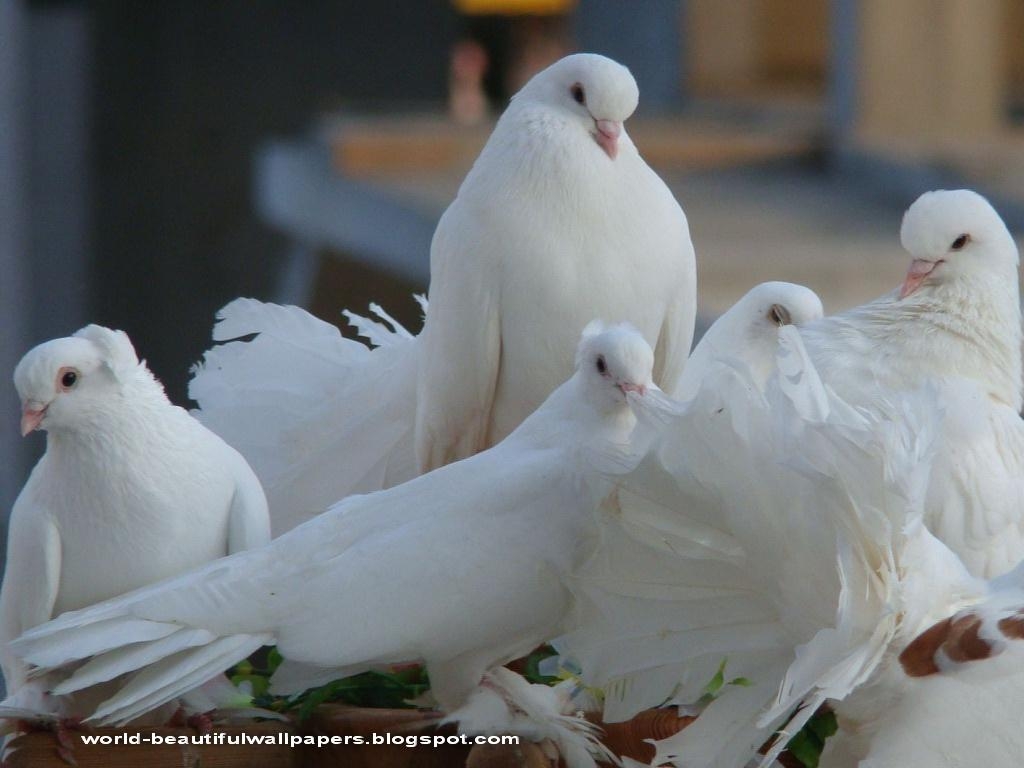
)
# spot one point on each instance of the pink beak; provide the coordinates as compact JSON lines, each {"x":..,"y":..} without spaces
{"x":608,"y":132}
{"x":626,"y":388}
{"x":917,"y":274}
{"x":32,"y":414}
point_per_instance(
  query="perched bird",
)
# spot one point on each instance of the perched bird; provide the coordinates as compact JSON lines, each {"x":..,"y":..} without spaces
{"x":131,"y":489}
{"x":957,"y":314}
{"x":559,"y":221}
{"x":463,"y":568}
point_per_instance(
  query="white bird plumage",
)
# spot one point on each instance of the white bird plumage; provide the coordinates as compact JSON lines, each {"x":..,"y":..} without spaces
{"x":956,"y":315}
{"x":787,"y":530}
{"x":319,"y":417}
{"x":559,"y":221}
{"x":463,"y":568}
{"x":547,"y":232}
{"x":663,"y":543}
{"x":131,"y":489}
{"x":747,"y":332}
{"x":791,"y":549}
{"x":783,"y":531}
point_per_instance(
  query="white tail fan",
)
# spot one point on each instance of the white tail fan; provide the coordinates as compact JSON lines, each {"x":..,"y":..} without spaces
{"x":319,"y":417}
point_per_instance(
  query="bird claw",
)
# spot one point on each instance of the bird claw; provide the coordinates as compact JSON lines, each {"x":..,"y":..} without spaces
{"x":66,"y":755}
{"x":63,"y":731}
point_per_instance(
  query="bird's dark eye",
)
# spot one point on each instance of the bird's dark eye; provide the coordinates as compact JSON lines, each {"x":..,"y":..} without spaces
{"x":960,"y":242}
{"x":602,"y":366}
{"x":68,"y":379}
{"x":578,"y":94}
{"x":779,"y":315}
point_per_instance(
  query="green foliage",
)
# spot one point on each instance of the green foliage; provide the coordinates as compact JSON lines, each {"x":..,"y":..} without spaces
{"x":808,"y":744}
{"x":532,"y":669}
{"x":714,"y":687}
{"x":392,"y":689}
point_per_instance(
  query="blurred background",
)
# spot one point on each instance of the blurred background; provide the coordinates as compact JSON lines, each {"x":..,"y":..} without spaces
{"x":159,"y":159}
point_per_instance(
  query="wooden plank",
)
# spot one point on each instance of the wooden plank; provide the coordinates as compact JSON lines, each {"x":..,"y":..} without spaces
{"x":393,"y":147}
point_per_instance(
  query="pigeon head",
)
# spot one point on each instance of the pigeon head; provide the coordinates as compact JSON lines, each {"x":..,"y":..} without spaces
{"x":769,"y":306}
{"x":951,"y":235}
{"x":749,"y":332}
{"x":65,"y":383}
{"x":587,"y":90}
{"x":611,"y":362}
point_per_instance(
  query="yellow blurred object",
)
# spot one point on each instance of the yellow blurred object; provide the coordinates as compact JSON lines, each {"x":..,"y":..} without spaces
{"x":514,"y":7}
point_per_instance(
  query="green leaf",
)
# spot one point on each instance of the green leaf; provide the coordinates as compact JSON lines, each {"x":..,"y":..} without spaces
{"x":532,"y":671}
{"x":824,"y":724}
{"x":717,"y":681}
{"x":806,"y":747}
{"x":808,"y":744}
{"x":274,"y":659}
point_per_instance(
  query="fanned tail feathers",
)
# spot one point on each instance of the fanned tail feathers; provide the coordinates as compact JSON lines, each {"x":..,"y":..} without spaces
{"x":318,"y":417}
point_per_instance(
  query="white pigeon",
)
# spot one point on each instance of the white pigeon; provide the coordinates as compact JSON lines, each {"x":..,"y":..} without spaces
{"x":462,"y":568}
{"x":559,"y":221}
{"x":131,"y":489}
{"x":957,"y":314}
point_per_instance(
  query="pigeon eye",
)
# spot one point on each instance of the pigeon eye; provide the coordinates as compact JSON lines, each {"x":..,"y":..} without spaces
{"x":602,"y":366}
{"x":578,"y":94}
{"x":779,"y":315}
{"x":68,"y":379}
{"x":960,"y":242}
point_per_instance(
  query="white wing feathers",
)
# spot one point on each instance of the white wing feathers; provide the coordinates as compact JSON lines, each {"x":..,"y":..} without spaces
{"x":761,"y":513}
{"x":461,"y":343}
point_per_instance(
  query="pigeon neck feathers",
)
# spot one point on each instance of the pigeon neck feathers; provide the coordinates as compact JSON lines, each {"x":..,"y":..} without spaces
{"x":956,"y":314}
{"x":970,"y":327}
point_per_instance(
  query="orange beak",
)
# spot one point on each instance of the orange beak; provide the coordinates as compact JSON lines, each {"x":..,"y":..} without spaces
{"x":919,"y":271}
{"x":32,"y":413}
{"x":608,"y":132}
